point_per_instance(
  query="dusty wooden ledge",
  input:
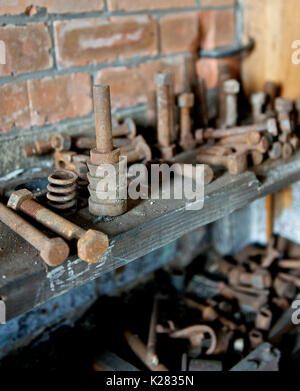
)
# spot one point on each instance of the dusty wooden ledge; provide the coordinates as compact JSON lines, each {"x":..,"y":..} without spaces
{"x":149,"y":224}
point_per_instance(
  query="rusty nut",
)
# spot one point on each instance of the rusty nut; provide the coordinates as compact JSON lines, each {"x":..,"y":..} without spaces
{"x":17,"y":197}
{"x":92,"y":246}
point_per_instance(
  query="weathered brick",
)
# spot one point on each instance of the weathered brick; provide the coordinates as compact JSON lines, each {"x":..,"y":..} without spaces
{"x":217,"y":28}
{"x":54,"y":99}
{"x":52,"y":6}
{"x":208,"y":69}
{"x":217,"y":3}
{"x":27,"y":48}
{"x":140,"y":5}
{"x":179,"y":32}
{"x":87,"y":41}
{"x":14,"y":106}
{"x":129,"y":86}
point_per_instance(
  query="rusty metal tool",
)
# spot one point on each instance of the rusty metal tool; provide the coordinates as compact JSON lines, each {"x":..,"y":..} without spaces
{"x":196,"y":335}
{"x":165,"y":133}
{"x":111,"y":202}
{"x":186,"y":101}
{"x":261,"y":147}
{"x":258,"y":99}
{"x":91,"y":244}
{"x":231,"y":88}
{"x":235,"y":163}
{"x":140,"y":349}
{"x":53,"y":251}
{"x":284,"y":107}
{"x":269,"y":126}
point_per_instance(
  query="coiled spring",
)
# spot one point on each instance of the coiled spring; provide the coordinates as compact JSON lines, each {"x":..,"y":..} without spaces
{"x":62,"y":187}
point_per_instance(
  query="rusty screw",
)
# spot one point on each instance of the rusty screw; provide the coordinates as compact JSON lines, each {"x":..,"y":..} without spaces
{"x":164,"y":115}
{"x":53,"y":251}
{"x":186,"y":102}
{"x":91,"y":245}
{"x":260,"y":279}
{"x":258,"y":99}
{"x":40,"y":147}
{"x":235,"y":163}
{"x":269,"y":126}
{"x":231,"y":89}
{"x":102,"y":203}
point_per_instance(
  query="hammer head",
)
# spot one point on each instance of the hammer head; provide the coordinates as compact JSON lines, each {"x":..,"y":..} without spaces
{"x":17,"y":197}
{"x":92,"y":246}
{"x":55,"y":251}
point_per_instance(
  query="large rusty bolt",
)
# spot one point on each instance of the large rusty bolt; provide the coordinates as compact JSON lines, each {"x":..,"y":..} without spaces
{"x":235,"y":163}
{"x":53,"y":251}
{"x":231,"y":88}
{"x":91,"y":245}
{"x":115,"y":203}
{"x":186,"y":102}
{"x":164,"y":115}
{"x":258,"y":99}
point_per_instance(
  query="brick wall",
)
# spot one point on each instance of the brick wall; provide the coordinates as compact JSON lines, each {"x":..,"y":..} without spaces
{"x":56,"y":50}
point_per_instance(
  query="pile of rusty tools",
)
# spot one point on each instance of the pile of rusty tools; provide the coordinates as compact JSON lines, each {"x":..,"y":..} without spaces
{"x":237,"y":308}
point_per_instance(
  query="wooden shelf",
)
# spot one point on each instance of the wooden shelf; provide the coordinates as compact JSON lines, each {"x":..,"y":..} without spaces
{"x":149,"y":224}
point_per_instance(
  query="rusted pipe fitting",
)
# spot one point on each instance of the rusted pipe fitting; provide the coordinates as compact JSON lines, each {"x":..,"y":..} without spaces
{"x":235,"y":163}
{"x":186,"y":102}
{"x":91,"y":244}
{"x":231,"y":89}
{"x":164,"y":115}
{"x":107,"y":175}
{"x":53,"y":251}
{"x":258,"y":99}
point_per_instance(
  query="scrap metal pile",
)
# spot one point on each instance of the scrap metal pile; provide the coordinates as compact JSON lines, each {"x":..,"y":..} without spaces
{"x":234,"y":314}
{"x":81,"y":160}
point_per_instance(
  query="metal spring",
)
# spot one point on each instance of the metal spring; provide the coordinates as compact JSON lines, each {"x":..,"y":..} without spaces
{"x":62,"y":189}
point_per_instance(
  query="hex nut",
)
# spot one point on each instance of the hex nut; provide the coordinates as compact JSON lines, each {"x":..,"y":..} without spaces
{"x":17,"y":197}
{"x":92,"y":246}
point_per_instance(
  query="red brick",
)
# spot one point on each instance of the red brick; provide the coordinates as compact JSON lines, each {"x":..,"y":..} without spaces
{"x":27,"y":48}
{"x":88,"y":41}
{"x":129,"y":86}
{"x":179,"y":32}
{"x":217,"y":3}
{"x":14,"y":106}
{"x":52,"y":6}
{"x":54,"y":99}
{"x":140,"y":5}
{"x":216,"y":28}
{"x":208,"y":69}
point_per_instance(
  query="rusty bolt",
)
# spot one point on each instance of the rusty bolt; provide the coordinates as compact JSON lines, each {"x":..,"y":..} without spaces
{"x":91,"y":244}
{"x":186,"y":102}
{"x":137,"y":150}
{"x":53,"y":251}
{"x":255,"y":338}
{"x":276,"y":151}
{"x":261,"y":147}
{"x":269,"y":126}
{"x":221,"y":150}
{"x":231,"y":88}
{"x":258,"y":99}
{"x":235,"y":163}
{"x":40,"y":147}
{"x":259,"y":279}
{"x":127,"y":128}
{"x":164,"y":114}
{"x":251,"y":138}
{"x":263,"y":319}
{"x":61,"y":142}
